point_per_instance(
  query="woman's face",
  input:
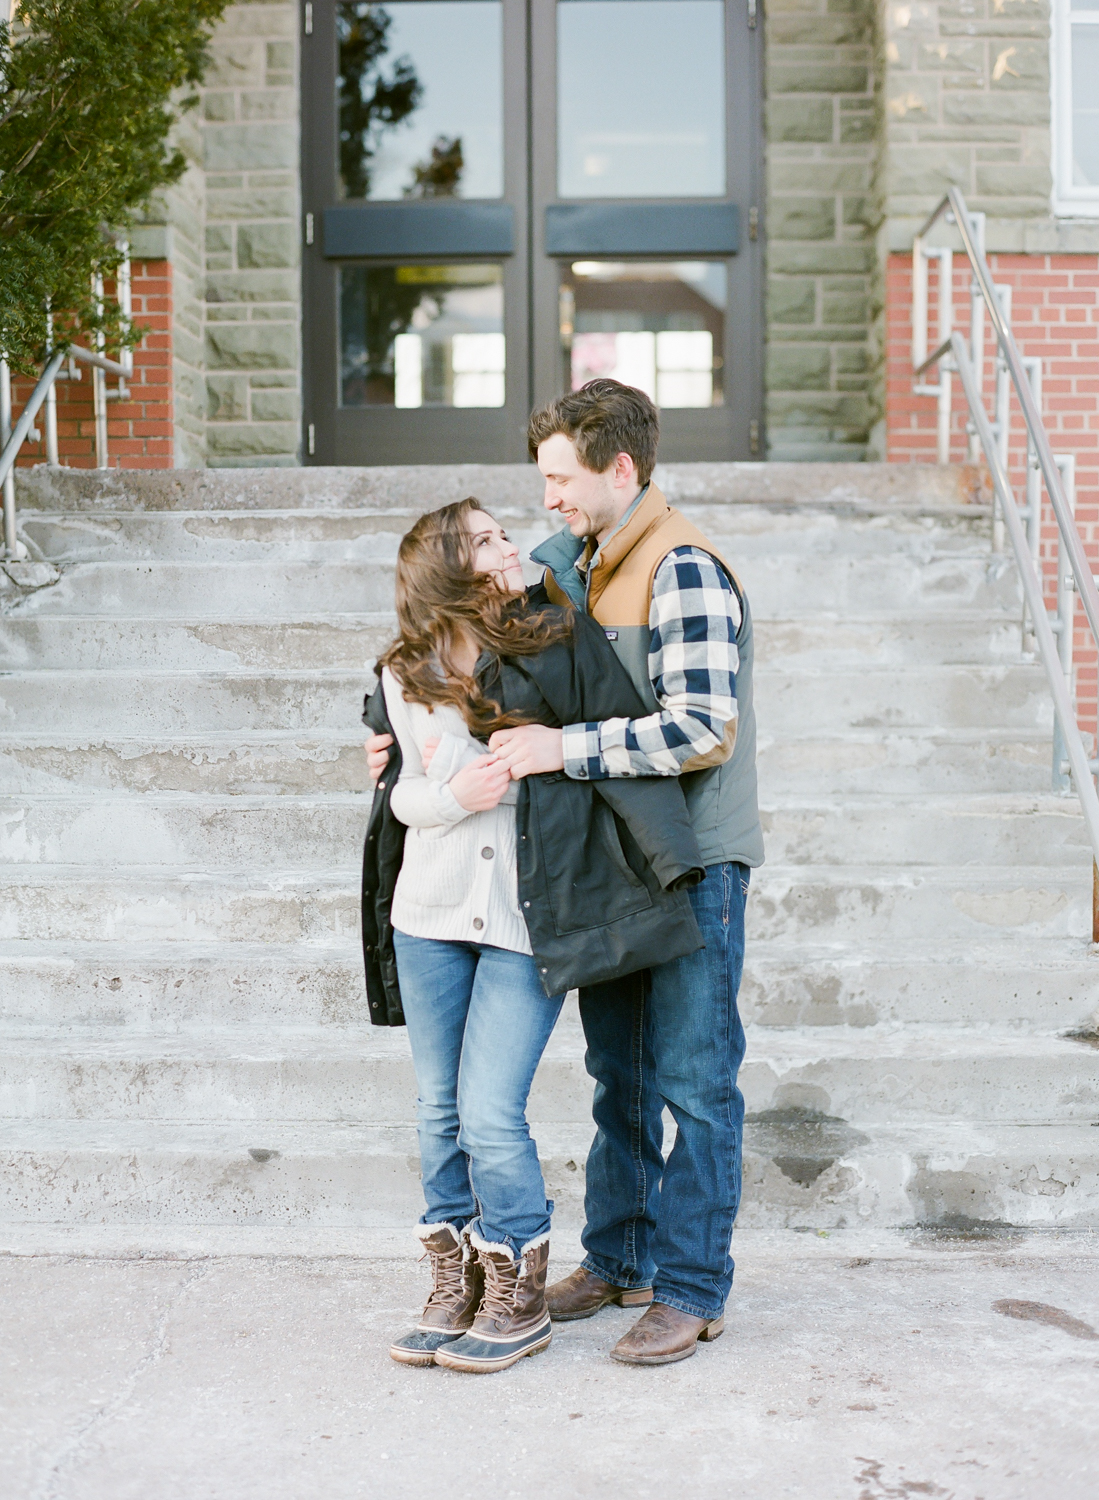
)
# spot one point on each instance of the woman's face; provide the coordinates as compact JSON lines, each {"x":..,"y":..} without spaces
{"x":491,"y":552}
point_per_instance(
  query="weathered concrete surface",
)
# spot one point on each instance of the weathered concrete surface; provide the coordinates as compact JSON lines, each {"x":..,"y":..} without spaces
{"x":850,"y":1370}
{"x":425,"y":485}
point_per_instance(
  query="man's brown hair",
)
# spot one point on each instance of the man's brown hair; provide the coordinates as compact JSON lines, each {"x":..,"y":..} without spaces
{"x":602,"y":419}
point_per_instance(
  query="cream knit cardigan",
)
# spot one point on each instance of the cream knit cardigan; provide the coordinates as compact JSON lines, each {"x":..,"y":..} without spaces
{"x":458,"y":877}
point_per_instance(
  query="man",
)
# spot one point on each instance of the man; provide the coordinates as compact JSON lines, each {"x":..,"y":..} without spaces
{"x":657,"y":1232}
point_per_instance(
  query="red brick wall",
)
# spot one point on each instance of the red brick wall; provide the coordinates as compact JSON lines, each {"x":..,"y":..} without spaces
{"x":139,"y":430}
{"x":1055,"y":316}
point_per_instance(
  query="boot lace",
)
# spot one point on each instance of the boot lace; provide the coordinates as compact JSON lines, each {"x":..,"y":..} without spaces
{"x":501,"y":1284}
{"x":448,"y":1277}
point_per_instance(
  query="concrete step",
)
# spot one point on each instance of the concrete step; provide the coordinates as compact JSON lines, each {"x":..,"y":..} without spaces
{"x":83,"y":643}
{"x":126,"y":702}
{"x":798,"y":1171}
{"x":886,"y":1076}
{"x":997,"y":978}
{"x":350,"y":642}
{"x":851,"y":489}
{"x":325,"y":833}
{"x":830,"y":584}
{"x":872,"y":906}
{"x":742,"y":531}
{"x":957,"y":762}
{"x":216,"y":765}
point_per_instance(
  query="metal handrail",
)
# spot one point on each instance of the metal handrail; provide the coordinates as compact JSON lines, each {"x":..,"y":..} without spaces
{"x":12,"y":439}
{"x":1052,"y":636}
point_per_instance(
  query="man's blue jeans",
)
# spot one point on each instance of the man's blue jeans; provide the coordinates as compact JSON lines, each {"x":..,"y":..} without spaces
{"x":670,"y":1036}
{"x":478,"y":1021}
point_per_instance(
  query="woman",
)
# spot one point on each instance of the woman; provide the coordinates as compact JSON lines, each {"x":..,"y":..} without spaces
{"x":485,"y":899}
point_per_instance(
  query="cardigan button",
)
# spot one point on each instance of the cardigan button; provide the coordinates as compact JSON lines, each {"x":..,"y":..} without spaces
{"x":487,"y":853}
{"x":477,"y":924}
{"x":526,"y":903}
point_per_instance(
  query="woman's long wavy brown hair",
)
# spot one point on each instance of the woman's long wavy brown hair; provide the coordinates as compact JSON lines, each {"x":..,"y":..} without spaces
{"x":440,"y":597}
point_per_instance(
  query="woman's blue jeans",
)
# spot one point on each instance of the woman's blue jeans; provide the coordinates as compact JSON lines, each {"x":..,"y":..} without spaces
{"x":478,"y":1021}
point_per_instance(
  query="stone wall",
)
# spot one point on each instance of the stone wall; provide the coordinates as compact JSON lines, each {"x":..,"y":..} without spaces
{"x":822,"y":387}
{"x":253,"y":237}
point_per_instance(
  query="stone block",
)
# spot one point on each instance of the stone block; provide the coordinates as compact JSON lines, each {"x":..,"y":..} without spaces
{"x":269,"y":380}
{"x":219,"y":106}
{"x":818,"y":30}
{"x":253,"y":439}
{"x":801,"y":218}
{"x":1012,"y":180}
{"x":797,"y":367}
{"x":252,"y":203}
{"x":275,"y":406}
{"x":252,"y":346}
{"x":959,"y":56}
{"x":259,"y":18}
{"x":862,"y":211}
{"x":818,"y":78}
{"x":819,"y":176}
{"x":820,"y":259}
{"x":799,"y":120}
{"x":273,"y":312}
{"x":252,"y":286}
{"x":1019,"y":65}
{"x":219,"y":239}
{"x":260,"y":246}
{"x":251,"y":147}
{"x":268,"y":104}
{"x":857,"y":126}
{"x":927,"y":169}
{"x":791,"y":301}
{"x":226,"y":398}
{"x":234,"y":63}
{"x":851,"y":359}
{"x":807,"y":408}
{"x":280,"y":56}
{"x":997,"y":108}
{"x":843,"y":307}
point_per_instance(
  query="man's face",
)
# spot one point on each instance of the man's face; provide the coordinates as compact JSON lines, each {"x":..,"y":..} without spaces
{"x":590,"y":504}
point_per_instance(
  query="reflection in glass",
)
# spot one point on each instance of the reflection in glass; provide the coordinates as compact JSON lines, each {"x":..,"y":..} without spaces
{"x":420,"y":91}
{"x":658,"y":326}
{"x":421,"y":335}
{"x":640,"y":98}
{"x":1085,"y":105}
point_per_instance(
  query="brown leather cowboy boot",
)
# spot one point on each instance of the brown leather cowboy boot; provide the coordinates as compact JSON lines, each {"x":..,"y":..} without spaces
{"x":582,"y":1294}
{"x":663,"y":1335}
{"x":458,"y":1283}
{"x":514,"y":1320}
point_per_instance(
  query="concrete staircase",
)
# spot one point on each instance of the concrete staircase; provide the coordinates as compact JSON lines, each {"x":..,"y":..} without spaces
{"x":184,"y":797}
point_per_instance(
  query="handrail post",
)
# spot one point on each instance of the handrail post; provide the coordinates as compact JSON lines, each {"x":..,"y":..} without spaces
{"x":11,"y":541}
{"x":977,"y":335}
{"x":99,"y":385}
{"x":1065,"y":621}
{"x":52,"y":455}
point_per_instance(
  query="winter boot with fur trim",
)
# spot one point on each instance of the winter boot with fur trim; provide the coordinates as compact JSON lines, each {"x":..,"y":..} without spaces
{"x":514,"y":1319}
{"x":455,"y":1296}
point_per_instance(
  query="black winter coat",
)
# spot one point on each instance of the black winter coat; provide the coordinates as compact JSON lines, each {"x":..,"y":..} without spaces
{"x":603,"y":865}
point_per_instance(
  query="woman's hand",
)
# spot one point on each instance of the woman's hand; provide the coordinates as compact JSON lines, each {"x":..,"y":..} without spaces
{"x":377,"y":755}
{"x":427,"y":755}
{"x":479,"y":786}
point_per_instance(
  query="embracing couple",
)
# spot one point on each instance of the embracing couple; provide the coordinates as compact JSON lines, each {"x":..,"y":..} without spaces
{"x":566,"y":798}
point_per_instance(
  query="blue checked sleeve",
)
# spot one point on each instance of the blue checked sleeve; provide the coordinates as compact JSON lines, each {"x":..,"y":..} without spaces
{"x":693,"y":660}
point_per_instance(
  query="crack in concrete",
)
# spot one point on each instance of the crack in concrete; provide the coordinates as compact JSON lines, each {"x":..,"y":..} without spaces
{"x":48,"y":1486}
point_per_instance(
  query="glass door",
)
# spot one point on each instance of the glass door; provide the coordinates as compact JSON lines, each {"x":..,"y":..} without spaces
{"x":414,"y":185}
{"x":645,"y":227}
{"x":506,"y":198}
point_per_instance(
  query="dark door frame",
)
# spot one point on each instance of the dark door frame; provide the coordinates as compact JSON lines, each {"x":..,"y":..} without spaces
{"x":454,"y":435}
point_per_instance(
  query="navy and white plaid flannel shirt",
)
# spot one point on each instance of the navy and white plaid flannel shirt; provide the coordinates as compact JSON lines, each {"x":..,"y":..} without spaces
{"x":693,"y":660}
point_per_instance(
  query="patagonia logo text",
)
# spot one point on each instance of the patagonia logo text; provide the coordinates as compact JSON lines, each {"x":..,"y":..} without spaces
{"x":612,"y":635}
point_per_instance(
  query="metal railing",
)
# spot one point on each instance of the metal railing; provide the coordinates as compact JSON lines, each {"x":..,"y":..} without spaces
{"x":1052,"y":632}
{"x":45,"y":393}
